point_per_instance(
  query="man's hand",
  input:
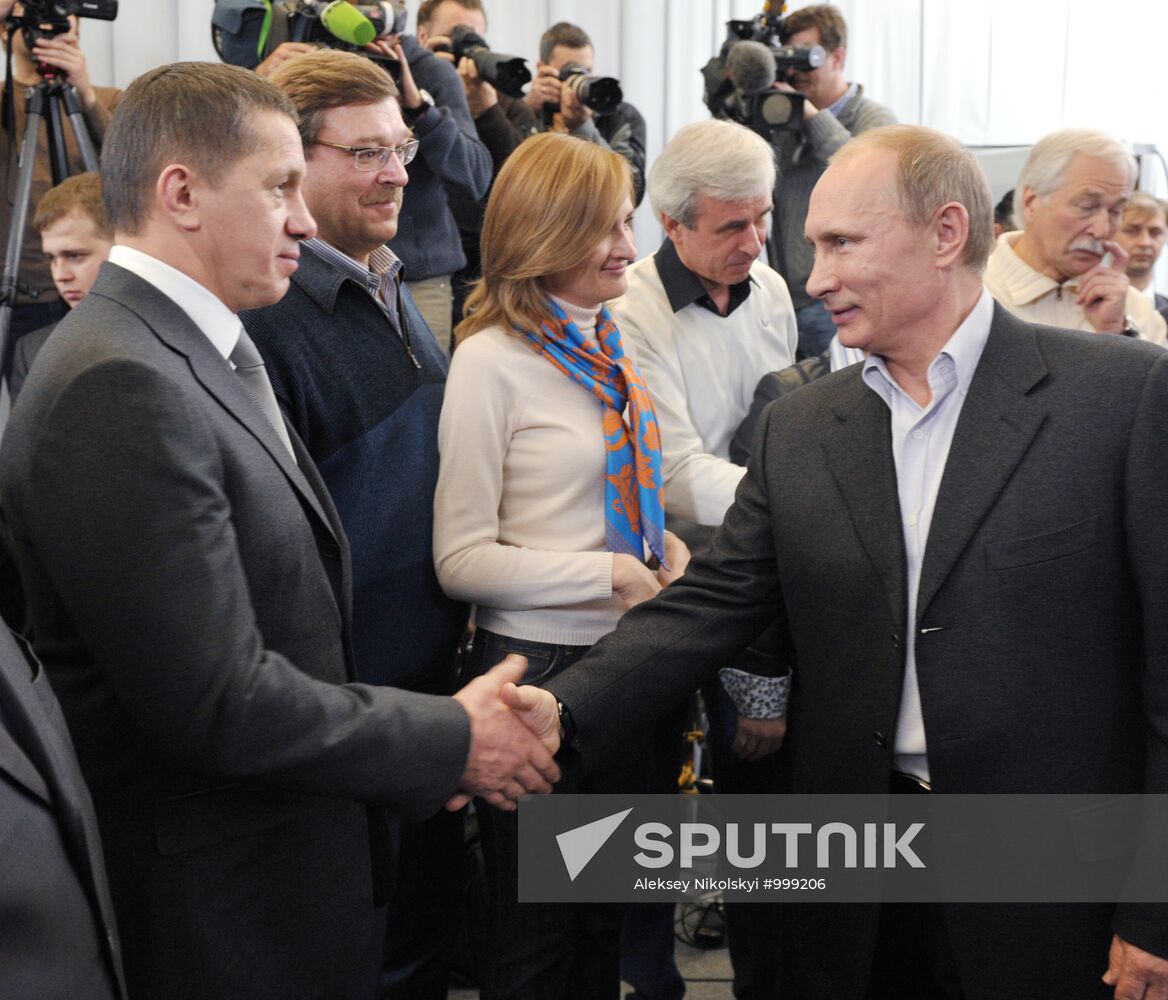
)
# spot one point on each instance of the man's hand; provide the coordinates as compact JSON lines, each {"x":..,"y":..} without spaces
{"x":756,"y":738}
{"x":809,"y":109}
{"x":575,"y":113}
{"x":443,"y":42}
{"x":506,"y":758}
{"x":1136,"y":974}
{"x":1103,"y":291}
{"x":63,"y":52}
{"x":539,"y":711}
{"x":480,"y":95}
{"x":283,"y":52}
{"x":545,"y":89}
{"x":411,"y":96}
{"x":632,"y":581}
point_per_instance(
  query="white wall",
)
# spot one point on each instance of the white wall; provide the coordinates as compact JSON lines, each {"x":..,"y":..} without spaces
{"x":995,"y":72}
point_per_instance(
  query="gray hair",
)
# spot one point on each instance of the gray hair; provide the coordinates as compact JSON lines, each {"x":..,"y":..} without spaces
{"x":722,"y":160}
{"x":1046,"y":166}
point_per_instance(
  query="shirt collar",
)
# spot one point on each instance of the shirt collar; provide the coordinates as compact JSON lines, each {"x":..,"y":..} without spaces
{"x":954,"y":364}
{"x":207,"y":311}
{"x":684,"y":288}
{"x":1023,"y":284}
{"x":841,"y":102}
{"x":384,"y":264}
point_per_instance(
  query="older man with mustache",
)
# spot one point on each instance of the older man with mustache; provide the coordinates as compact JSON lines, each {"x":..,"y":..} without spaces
{"x":1064,"y":267}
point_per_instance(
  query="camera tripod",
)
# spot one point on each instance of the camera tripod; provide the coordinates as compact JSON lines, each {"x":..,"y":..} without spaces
{"x":54,"y":105}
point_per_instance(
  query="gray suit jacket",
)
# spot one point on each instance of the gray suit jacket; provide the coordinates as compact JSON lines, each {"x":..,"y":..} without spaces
{"x":1038,"y":621}
{"x":57,"y":933}
{"x":188,"y":592}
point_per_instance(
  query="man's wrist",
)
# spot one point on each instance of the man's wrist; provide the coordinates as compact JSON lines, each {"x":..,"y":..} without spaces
{"x":425,"y":103}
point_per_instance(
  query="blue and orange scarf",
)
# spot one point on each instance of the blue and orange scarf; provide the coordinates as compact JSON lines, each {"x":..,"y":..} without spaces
{"x":634,"y":504}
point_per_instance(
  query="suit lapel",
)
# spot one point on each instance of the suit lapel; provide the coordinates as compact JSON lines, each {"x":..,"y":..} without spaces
{"x":859,"y":454}
{"x":15,"y":763}
{"x":997,"y":424}
{"x":176,"y":329}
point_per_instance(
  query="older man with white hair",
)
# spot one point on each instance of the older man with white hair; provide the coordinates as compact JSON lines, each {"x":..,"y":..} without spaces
{"x":1064,"y":267}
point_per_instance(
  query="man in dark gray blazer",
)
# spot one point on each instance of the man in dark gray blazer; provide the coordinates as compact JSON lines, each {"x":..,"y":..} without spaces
{"x":188,"y":581}
{"x":58,"y":938}
{"x":970,"y":558}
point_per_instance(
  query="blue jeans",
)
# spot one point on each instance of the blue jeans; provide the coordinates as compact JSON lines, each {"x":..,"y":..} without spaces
{"x":558,"y":951}
{"x":538,"y":951}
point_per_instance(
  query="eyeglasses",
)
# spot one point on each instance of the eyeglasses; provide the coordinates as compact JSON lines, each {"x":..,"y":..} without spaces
{"x":375,"y":157}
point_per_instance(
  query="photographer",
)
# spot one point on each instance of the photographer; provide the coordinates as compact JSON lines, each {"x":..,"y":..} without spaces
{"x":834,"y":110}
{"x":502,"y":122}
{"x":37,"y":301}
{"x":622,"y":130}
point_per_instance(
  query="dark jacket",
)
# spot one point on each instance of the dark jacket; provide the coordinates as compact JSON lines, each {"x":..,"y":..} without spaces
{"x":57,"y":934}
{"x":450,"y":158}
{"x":1040,"y":668}
{"x":369,"y":417}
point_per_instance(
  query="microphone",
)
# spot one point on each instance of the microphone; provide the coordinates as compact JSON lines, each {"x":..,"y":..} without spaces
{"x":751,"y":67}
{"x":344,"y":21}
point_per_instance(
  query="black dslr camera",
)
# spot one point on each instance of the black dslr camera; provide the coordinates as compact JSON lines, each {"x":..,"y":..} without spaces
{"x":507,"y":74}
{"x":601,"y":94}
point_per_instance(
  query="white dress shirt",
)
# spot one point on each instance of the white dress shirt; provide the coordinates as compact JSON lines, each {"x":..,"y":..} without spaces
{"x":921,"y":436}
{"x":207,"y":311}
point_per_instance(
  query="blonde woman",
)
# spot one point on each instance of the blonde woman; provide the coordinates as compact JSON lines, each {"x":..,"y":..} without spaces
{"x":549,"y":500}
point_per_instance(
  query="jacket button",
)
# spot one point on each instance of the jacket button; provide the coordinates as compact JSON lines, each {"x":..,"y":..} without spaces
{"x":879,"y":740}
{"x":895,"y":641}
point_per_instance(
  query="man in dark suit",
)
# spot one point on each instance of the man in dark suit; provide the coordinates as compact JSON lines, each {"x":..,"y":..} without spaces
{"x":970,"y":564}
{"x":188,"y":581}
{"x":58,"y":939}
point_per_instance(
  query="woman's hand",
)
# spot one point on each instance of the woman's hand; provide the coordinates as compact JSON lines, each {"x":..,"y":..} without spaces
{"x":677,"y":555}
{"x":632,"y":581}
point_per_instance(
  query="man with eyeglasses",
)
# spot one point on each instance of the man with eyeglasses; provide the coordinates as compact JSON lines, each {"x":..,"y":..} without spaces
{"x":360,"y":377}
{"x":1064,"y":267}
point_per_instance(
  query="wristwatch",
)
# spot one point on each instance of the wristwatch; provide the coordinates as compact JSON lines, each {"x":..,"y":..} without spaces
{"x":567,"y":724}
{"x":411,"y":115}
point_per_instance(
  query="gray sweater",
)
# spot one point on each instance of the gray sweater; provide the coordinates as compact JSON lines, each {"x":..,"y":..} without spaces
{"x":823,"y":135}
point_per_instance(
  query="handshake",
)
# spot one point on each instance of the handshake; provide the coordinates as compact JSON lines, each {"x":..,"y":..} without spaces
{"x":514,"y":732}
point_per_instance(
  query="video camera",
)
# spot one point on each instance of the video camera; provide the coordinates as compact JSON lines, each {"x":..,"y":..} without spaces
{"x":46,"y":18}
{"x":348,"y":23}
{"x":508,"y":74}
{"x":739,"y":81}
{"x":245,"y":32}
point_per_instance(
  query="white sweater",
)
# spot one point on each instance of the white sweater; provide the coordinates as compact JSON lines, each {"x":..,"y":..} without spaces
{"x":519,"y":509}
{"x":701,"y":370}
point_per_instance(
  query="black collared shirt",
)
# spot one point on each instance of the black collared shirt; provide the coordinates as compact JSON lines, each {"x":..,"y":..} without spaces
{"x":683,"y":287}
